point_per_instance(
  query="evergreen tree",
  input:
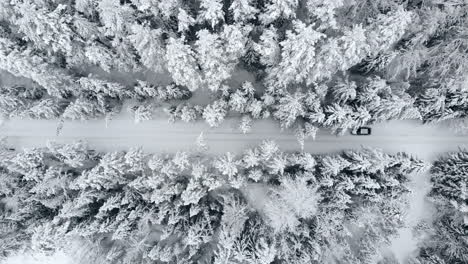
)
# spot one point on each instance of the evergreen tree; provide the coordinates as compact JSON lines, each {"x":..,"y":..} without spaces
{"x":276,"y":9}
{"x":218,"y":54}
{"x":182,"y":64}
{"x":215,"y":113}
{"x":246,"y":124}
{"x":268,"y":48}
{"x":185,"y":20}
{"x":84,"y":109}
{"x":142,"y":113}
{"x":243,"y":10}
{"x":297,"y":55}
{"x":325,"y":11}
{"x":116,"y":18}
{"x":51,"y":30}
{"x":211,"y":12}
{"x":149,"y":45}
{"x":23,"y":62}
{"x":289,"y":108}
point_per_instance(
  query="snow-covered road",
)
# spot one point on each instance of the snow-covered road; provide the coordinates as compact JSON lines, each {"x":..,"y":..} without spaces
{"x":157,"y":135}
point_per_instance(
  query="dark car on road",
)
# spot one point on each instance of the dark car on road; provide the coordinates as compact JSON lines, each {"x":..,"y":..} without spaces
{"x":362,"y":131}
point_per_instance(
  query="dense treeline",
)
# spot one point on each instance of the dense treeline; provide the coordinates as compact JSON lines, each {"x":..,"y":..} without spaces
{"x":447,"y":241}
{"x":309,"y":63}
{"x":264,"y":206}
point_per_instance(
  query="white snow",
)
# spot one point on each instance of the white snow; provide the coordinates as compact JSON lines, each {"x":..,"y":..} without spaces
{"x":406,"y":245}
{"x":40,"y":258}
{"x":11,"y":204}
{"x":423,"y":141}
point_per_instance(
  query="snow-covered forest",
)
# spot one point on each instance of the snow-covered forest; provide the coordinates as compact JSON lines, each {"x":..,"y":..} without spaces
{"x":446,"y":236}
{"x":263,"y":206}
{"x":308,"y":65}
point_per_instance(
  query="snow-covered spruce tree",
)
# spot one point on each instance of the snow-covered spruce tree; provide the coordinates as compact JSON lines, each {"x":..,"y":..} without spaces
{"x":276,"y":9}
{"x":84,"y":108}
{"x":243,"y":10}
{"x":22,"y":61}
{"x":268,"y":47}
{"x":142,"y":112}
{"x":218,"y":54}
{"x":46,"y":109}
{"x":14,"y":100}
{"x":143,"y":90}
{"x":49,"y":27}
{"x":446,"y":239}
{"x":263,"y":206}
{"x":298,"y":55}
{"x":211,"y":12}
{"x":185,"y":112}
{"x":215,"y":113}
{"x":289,"y":108}
{"x":182,"y":65}
{"x":115,"y":17}
{"x":149,"y":45}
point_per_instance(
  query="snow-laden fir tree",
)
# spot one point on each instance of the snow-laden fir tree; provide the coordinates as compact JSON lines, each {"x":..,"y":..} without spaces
{"x":182,"y":65}
{"x":211,"y":12}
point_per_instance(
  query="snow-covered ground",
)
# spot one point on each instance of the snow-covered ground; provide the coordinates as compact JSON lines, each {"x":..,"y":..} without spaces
{"x":40,"y":258}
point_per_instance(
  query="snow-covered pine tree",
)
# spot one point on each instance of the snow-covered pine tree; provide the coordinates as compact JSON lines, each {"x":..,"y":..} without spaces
{"x":218,"y":54}
{"x":142,"y":112}
{"x":211,"y":12}
{"x":295,"y":196}
{"x":149,"y":45}
{"x":215,"y":113}
{"x":102,"y":87}
{"x":324,"y":11}
{"x":245,"y":125}
{"x":46,"y":109}
{"x":49,"y":29}
{"x":26,"y":63}
{"x":268,"y":47}
{"x":344,"y":91}
{"x":84,"y":109}
{"x":115,"y":17}
{"x":182,"y":65}
{"x":290,"y":107}
{"x":185,"y":20}
{"x":243,"y":10}
{"x":298,"y":56}
{"x":279,"y":9}
{"x":101,"y":56}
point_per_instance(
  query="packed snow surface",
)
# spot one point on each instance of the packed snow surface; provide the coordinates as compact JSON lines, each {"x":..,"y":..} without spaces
{"x":424,"y":141}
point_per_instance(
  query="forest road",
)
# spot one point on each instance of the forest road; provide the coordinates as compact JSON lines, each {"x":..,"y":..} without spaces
{"x":424,"y":141}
